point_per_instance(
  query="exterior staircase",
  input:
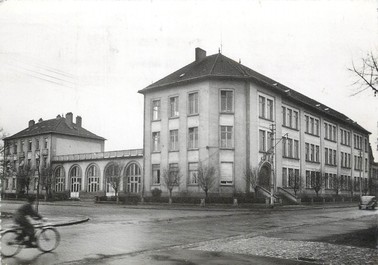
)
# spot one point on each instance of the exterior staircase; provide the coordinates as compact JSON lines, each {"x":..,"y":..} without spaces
{"x":262,"y":192}
{"x":287,"y":196}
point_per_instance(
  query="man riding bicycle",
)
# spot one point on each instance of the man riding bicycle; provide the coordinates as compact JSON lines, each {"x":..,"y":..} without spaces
{"x":21,"y":219}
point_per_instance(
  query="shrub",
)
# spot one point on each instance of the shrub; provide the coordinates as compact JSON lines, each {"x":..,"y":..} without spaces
{"x":156,"y":192}
{"x":60,"y":196}
{"x":130,"y":199}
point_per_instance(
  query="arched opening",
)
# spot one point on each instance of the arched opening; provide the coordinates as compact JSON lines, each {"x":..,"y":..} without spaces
{"x":132,"y":178}
{"x":93,"y":178}
{"x":60,"y":179}
{"x":75,"y":177}
{"x":264,"y":176}
{"x":112,"y":179}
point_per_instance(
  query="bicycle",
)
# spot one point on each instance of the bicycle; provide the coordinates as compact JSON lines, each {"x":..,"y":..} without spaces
{"x":47,"y":239}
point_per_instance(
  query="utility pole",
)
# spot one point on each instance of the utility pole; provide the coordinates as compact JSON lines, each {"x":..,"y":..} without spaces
{"x":360,"y":168}
{"x":37,"y":160}
{"x":273,"y":133}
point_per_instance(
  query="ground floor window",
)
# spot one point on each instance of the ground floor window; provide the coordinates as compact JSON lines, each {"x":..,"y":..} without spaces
{"x":193,"y":173}
{"x":133,"y":177}
{"x":155,"y":174}
{"x":226,"y":173}
{"x":59,"y":184}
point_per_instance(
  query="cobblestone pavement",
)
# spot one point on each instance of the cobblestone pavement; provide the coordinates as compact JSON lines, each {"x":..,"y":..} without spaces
{"x":317,"y":252}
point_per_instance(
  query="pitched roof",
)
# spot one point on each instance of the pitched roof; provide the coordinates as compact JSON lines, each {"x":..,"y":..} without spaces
{"x":55,"y":126}
{"x":218,"y":66}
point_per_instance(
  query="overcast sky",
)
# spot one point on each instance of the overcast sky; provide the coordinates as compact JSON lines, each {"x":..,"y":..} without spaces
{"x":91,"y":57}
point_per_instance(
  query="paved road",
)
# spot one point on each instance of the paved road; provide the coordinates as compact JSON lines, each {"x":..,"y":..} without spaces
{"x":119,"y":234}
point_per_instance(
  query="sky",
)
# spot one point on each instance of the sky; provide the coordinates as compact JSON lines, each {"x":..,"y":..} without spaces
{"x":91,"y":57}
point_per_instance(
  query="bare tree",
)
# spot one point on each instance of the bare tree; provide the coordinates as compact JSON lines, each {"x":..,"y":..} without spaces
{"x":336,"y":184}
{"x":113,"y":177}
{"x":206,"y":177}
{"x":317,"y":182}
{"x":367,"y":73}
{"x":3,"y":172}
{"x":171,"y":178}
{"x":47,"y":179}
{"x":297,"y":184}
{"x":251,"y":177}
{"x":24,"y":176}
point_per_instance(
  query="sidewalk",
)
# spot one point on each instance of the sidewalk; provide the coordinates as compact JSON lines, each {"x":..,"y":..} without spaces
{"x":192,"y":207}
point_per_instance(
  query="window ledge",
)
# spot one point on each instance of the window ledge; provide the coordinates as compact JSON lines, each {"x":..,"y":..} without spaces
{"x":193,"y":115}
{"x":227,"y":148}
{"x":155,"y":152}
{"x":173,"y":151}
{"x":313,"y":162}
{"x":174,"y":118}
{"x":193,"y":149}
{"x":266,"y":119}
{"x":312,"y":134}
{"x":291,"y":128}
{"x":227,"y":112}
{"x":291,"y":158}
{"x":156,"y":120}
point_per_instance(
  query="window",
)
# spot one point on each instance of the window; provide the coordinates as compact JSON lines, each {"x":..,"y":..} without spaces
{"x":15,"y":148}
{"x":44,"y":161}
{"x":312,"y":152}
{"x":173,"y":140}
{"x":156,"y":174}
{"x":173,"y":107}
{"x":46,"y":141}
{"x":291,"y":177}
{"x":133,"y":178}
{"x":329,"y":132}
{"x":266,"y":107}
{"x":155,"y":110}
{"x":262,"y":141}
{"x":193,"y":103}
{"x":290,"y":117}
{"x":22,"y":146}
{"x":226,"y":173}
{"x":93,"y":179}
{"x":226,"y":137}
{"x":284,"y":148}
{"x":366,"y":164}
{"x":296,"y":149}
{"x":156,"y":141}
{"x":290,"y":147}
{"x":36,"y":144}
{"x":173,"y":172}
{"x":226,"y":101}
{"x":193,"y":173}
{"x":344,"y":137}
{"x":284,"y":177}
{"x":30,"y":145}
{"x":357,"y":141}
{"x":312,"y":125}
{"x":193,"y":138}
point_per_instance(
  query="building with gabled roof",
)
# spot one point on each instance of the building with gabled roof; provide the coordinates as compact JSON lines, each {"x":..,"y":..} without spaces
{"x":219,"y":112}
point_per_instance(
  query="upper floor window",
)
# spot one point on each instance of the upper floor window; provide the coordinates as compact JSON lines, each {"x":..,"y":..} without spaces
{"x":227,"y":98}
{"x":345,"y":137}
{"x":193,"y":138}
{"x":36,"y":144}
{"x":266,"y":107}
{"x":226,"y":137}
{"x":265,"y":141}
{"x":311,"y":152}
{"x":46,"y":143}
{"x":173,"y":140}
{"x":290,"y":148}
{"x":345,"y":160}
{"x":155,"y":110}
{"x":366,"y":145}
{"x":330,"y":157}
{"x":357,"y":141}
{"x":156,"y":141}
{"x":329,"y":131}
{"x":30,"y":145}
{"x":290,"y":117}
{"x":312,"y":125}
{"x":193,"y":103}
{"x":173,"y":107}
{"x":15,"y":148}
{"x":22,"y":145}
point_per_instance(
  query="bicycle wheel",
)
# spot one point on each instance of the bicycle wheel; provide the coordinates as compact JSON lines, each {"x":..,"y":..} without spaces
{"x":9,"y":244}
{"x":48,"y":239}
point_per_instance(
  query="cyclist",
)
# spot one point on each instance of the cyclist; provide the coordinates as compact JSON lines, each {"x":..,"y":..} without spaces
{"x":21,"y":218}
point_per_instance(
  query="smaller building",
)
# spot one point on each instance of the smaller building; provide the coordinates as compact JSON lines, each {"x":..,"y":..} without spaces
{"x":67,"y":158}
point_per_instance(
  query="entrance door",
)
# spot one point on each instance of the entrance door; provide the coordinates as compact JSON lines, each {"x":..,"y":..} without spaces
{"x":75,"y":187}
{"x":264,"y":177}
{"x":109,"y":190}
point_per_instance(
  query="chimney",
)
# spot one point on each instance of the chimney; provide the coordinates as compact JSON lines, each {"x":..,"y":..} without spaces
{"x":69,"y":118}
{"x":40,"y":120}
{"x":31,"y":123}
{"x":78,"y":121}
{"x":58,"y":116}
{"x":200,"y":54}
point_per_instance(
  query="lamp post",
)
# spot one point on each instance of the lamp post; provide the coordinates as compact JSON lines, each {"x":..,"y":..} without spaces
{"x":37,"y":160}
{"x":272,"y":150}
